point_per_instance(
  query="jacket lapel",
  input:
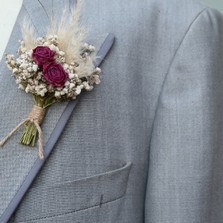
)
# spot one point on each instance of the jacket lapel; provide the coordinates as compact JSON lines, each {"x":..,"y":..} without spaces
{"x":16,"y":159}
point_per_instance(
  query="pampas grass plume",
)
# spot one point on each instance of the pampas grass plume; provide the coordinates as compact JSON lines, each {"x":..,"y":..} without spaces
{"x":28,"y":33}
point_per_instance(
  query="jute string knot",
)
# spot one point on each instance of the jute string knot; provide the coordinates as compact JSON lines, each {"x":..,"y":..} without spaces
{"x":36,"y":116}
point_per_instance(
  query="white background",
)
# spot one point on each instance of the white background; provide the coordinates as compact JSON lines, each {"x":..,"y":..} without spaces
{"x":10,"y":8}
{"x":8,"y":12}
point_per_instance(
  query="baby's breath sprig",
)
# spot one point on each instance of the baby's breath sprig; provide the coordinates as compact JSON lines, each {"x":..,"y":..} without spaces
{"x":53,"y":68}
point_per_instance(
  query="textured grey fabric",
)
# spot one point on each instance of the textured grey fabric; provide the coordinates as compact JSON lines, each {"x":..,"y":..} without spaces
{"x":53,"y":139}
{"x":158,"y":110}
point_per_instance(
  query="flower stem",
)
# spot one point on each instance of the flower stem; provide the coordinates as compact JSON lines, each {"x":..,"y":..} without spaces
{"x":29,"y":135}
{"x":30,"y":132}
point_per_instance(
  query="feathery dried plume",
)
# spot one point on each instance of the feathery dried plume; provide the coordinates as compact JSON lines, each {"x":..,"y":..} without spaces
{"x":70,"y":32}
{"x":52,"y":68}
{"x":28,"y":34}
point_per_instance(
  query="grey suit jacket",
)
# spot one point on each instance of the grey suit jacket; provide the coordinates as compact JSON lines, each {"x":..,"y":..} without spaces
{"x":146,"y":145}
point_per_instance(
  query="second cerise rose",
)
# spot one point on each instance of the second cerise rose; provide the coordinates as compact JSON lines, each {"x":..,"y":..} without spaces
{"x":54,"y":74}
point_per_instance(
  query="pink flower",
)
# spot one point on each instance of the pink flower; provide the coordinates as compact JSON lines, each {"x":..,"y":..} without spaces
{"x":54,"y":74}
{"x":42,"y":55}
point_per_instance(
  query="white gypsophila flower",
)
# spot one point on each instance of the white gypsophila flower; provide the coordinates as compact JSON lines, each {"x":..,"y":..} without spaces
{"x":96,"y":79}
{"x":27,"y":90}
{"x":65,"y":66}
{"x":65,"y":90}
{"x":14,"y":70}
{"x":36,"y":82}
{"x":10,"y":57}
{"x":39,"y":75}
{"x":31,"y":82}
{"x":78,"y":90}
{"x":67,"y":83}
{"x":57,"y":94}
{"x":76,"y":76}
{"x":40,"y":41}
{"x":98,"y":70}
{"x":53,"y":47}
{"x":61,"y":53}
{"x":12,"y":63}
{"x":71,"y":86}
{"x":29,"y":76}
{"x":22,"y":51}
{"x":23,"y":54}
{"x":41,"y":89}
{"x":71,"y":75}
{"x":85,"y":45}
{"x":42,"y":92}
{"x":26,"y":74}
{"x":35,"y":67}
{"x":30,"y":69}
{"x":50,"y":88}
{"x":53,"y":39}
{"x":87,"y":86}
{"x":91,"y":48}
{"x":18,"y":61}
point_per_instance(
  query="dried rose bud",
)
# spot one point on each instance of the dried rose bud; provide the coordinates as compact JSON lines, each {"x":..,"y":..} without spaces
{"x":54,"y":74}
{"x":42,"y":55}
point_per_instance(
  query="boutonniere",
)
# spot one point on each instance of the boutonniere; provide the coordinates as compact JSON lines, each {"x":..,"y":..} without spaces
{"x":53,"y":68}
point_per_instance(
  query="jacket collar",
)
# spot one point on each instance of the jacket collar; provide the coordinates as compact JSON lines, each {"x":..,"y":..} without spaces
{"x":15,"y":159}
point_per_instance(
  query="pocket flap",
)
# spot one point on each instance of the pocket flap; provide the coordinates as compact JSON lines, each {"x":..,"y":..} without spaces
{"x":72,"y":196}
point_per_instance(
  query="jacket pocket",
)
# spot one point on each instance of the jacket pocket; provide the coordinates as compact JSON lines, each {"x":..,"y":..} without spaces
{"x":73,"y":196}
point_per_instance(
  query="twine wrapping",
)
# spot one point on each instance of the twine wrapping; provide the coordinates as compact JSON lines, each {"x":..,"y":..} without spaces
{"x":36,"y":116}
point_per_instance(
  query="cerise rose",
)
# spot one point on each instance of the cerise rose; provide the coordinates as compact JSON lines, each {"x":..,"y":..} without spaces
{"x":54,"y":74}
{"x":42,"y":55}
